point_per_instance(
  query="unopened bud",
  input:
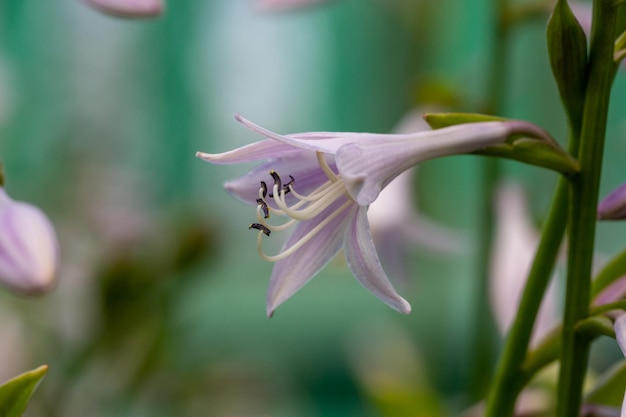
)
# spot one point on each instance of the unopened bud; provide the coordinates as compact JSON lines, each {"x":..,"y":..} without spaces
{"x":128,"y":8}
{"x":613,"y":206}
{"x":29,"y":252}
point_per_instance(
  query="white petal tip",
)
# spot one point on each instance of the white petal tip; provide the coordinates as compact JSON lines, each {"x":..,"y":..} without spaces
{"x":403,"y":306}
{"x":239,"y":118}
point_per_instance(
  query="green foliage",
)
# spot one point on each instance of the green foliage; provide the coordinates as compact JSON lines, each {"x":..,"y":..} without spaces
{"x":15,"y":393}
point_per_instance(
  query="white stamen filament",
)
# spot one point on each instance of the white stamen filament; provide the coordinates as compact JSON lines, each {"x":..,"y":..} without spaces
{"x":306,"y":208}
{"x":303,"y":240}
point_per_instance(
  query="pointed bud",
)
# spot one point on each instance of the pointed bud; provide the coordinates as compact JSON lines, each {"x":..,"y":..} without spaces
{"x":29,"y":254}
{"x":613,"y":206}
{"x":567,"y":47}
{"x":128,"y":8}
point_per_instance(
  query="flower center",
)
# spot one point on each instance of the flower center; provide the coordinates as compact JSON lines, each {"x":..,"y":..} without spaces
{"x":305,"y":208}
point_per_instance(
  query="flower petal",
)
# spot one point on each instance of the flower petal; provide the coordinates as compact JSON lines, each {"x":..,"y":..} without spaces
{"x":302,"y":166}
{"x":327,"y":142}
{"x":293,"y":272}
{"x":29,"y":252}
{"x":257,"y":151}
{"x":620,"y":332}
{"x":367,"y":167}
{"x":613,"y":206}
{"x":365,"y":265}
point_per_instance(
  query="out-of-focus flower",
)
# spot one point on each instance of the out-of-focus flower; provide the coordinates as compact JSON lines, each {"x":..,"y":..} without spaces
{"x":514,"y":248}
{"x":284,"y":5}
{"x":29,"y":253}
{"x":396,"y":223}
{"x":333,"y":178}
{"x":613,"y":206}
{"x":128,"y":8}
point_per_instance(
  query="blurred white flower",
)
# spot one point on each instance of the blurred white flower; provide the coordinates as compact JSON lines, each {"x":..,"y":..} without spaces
{"x":128,"y":8}
{"x":29,"y":252}
{"x":284,"y":5}
{"x":515,"y":244}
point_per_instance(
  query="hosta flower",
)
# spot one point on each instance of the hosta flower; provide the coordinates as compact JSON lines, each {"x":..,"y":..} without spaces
{"x":515,"y":243}
{"x":128,"y":8}
{"x":29,"y":254}
{"x":283,"y":5}
{"x":322,"y":184}
{"x":613,"y":206}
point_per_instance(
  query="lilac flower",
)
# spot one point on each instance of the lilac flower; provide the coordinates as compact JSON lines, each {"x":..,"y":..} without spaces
{"x":323,"y":183}
{"x":515,"y":243}
{"x":613,"y":206}
{"x":29,"y":254}
{"x":128,"y":8}
{"x":284,"y":5}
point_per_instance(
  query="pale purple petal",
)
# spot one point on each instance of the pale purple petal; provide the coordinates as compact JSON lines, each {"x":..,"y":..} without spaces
{"x":293,"y":272}
{"x":620,"y":332}
{"x":613,"y":206}
{"x":614,"y":292}
{"x":28,"y":247}
{"x":285,"y":5}
{"x":258,"y":151}
{"x":364,"y":263}
{"x":128,"y":8}
{"x":367,"y":167}
{"x":303,"y":167}
{"x":327,"y":142}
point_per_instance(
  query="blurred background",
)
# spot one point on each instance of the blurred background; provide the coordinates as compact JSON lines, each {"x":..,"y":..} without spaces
{"x":160,"y":308}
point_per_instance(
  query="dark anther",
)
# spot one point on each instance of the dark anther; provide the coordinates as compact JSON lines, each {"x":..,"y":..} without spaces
{"x":260,"y":227}
{"x":264,"y":189}
{"x":264,"y":207}
{"x":290,"y":183}
{"x":276,"y":178}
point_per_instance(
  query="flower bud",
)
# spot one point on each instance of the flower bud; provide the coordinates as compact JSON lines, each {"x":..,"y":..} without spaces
{"x":128,"y":8}
{"x":29,"y":252}
{"x":613,"y":206}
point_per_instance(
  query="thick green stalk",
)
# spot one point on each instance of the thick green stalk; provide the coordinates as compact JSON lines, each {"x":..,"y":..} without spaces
{"x":508,"y":380}
{"x":582,"y":217}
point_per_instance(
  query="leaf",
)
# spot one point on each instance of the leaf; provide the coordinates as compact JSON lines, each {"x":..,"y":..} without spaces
{"x":609,"y":388}
{"x":15,"y":393}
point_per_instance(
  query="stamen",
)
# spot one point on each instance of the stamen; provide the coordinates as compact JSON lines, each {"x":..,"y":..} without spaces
{"x":264,"y":207}
{"x":272,"y":227}
{"x":263,"y":190}
{"x":260,"y":227}
{"x":289,"y":251}
{"x":276,"y":178}
{"x":324,"y":165}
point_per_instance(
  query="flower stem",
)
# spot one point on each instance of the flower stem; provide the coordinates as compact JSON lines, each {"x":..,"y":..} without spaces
{"x":583,"y":203}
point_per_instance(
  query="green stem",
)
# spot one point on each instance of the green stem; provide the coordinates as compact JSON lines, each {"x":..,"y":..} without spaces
{"x":582,"y":217}
{"x":508,"y":380}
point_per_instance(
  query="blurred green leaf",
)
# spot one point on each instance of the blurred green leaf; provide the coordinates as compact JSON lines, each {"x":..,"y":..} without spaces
{"x":15,"y":393}
{"x":609,"y":389}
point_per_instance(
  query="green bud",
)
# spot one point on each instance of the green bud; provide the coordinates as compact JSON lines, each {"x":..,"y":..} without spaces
{"x":567,"y":47}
